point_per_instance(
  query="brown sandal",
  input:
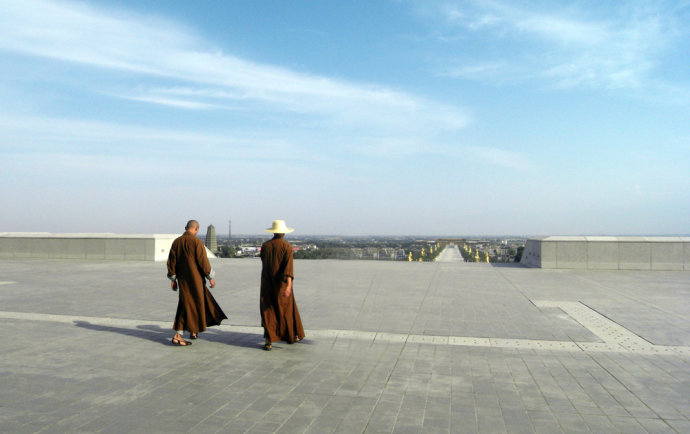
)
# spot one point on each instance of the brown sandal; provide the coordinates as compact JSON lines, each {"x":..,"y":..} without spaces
{"x":179,"y":342}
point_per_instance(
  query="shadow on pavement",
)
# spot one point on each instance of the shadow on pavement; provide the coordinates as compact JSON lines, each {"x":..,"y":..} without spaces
{"x":507,"y":265}
{"x":163,"y":336}
{"x":150,"y":332}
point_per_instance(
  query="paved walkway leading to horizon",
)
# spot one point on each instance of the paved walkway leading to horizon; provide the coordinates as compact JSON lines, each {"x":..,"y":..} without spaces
{"x":391,"y":347}
{"x":450,"y":254}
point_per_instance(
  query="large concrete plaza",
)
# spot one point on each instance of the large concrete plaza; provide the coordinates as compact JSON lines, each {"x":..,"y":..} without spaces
{"x":390,"y":347}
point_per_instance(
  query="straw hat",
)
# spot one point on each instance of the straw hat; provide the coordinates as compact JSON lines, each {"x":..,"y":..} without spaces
{"x":279,"y":227}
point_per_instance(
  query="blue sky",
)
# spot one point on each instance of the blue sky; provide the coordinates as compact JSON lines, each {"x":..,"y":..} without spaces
{"x":346,"y":117}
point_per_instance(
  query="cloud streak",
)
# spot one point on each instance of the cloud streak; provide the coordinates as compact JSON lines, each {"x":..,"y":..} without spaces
{"x":568,"y":47}
{"x":41,"y":135}
{"x":147,"y":47}
{"x":161,"y":63}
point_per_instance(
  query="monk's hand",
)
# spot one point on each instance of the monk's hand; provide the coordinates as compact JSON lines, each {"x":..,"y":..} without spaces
{"x":212,"y":282}
{"x":288,"y":289}
{"x":173,"y":285}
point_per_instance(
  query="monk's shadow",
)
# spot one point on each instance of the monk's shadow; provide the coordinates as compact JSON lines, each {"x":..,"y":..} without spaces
{"x":250,"y":340}
{"x":245,"y":340}
{"x":163,"y":336}
{"x":236,"y":339}
{"x":151,"y":333}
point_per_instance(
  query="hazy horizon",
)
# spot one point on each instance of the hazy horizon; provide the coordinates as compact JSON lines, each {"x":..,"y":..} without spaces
{"x":202,"y":234}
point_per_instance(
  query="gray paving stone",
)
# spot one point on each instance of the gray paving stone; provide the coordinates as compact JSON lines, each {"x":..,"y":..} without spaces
{"x":433,"y":423}
{"x":357,"y":417}
{"x":296,"y":424}
{"x":239,"y":425}
{"x":490,"y":419}
{"x":509,"y":399}
{"x":571,"y":422}
{"x":516,"y":421}
{"x":653,"y":425}
{"x":681,"y":426}
{"x":544,"y":422}
{"x":384,"y":416}
{"x":391,"y":347}
{"x":627,"y":425}
{"x":598,"y":423}
{"x":265,"y":427}
{"x":403,"y":428}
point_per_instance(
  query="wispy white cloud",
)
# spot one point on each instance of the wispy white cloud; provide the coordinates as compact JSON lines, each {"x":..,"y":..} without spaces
{"x":566,"y":45}
{"x":500,"y":157}
{"x":494,"y":156}
{"x":52,"y":136}
{"x":173,"y":102}
{"x":112,"y":40}
{"x":493,"y":71}
{"x":163,"y":63}
{"x":476,"y":155}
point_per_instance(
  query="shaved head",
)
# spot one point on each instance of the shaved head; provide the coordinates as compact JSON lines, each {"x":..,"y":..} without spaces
{"x":192,"y":224}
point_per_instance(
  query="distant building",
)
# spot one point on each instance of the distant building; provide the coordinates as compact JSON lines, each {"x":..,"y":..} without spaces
{"x":248,"y":251}
{"x":211,"y":241}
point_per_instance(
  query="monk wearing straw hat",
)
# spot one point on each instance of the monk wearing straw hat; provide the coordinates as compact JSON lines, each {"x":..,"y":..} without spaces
{"x":279,"y":314}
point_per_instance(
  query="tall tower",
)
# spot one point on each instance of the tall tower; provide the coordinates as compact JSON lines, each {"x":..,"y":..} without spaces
{"x":229,"y":229}
{"x":211,"y":241}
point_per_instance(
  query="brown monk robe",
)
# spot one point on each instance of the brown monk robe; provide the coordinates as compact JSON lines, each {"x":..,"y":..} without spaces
{"x":279,"y":314}
{"x":188,"y":268}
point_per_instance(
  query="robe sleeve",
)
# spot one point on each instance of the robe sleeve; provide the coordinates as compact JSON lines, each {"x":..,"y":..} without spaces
{"x":202,"y":261}
{"x":288,"y":263}
{"x":172,"y":261}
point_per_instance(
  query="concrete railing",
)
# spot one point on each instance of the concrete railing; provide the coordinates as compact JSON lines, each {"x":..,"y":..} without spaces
{"x":20,"y":245}
{"x":608,"y":253}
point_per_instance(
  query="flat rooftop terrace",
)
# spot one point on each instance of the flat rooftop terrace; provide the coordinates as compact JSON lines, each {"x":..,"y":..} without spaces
{"x":390,"y":347}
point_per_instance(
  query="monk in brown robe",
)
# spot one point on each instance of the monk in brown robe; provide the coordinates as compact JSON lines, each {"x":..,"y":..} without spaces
{"x":188,"y":269}
{"x":279,"y":314}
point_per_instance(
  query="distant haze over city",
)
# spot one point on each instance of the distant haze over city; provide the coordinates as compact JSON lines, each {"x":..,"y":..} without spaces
{"x":382,"y":118}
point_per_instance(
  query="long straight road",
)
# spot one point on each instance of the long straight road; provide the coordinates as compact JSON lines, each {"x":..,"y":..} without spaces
{"x":450,"y":253}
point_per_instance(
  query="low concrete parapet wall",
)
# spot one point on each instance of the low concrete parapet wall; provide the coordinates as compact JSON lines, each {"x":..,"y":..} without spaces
{"x":608,"y":253}
{"x":27,"y":245}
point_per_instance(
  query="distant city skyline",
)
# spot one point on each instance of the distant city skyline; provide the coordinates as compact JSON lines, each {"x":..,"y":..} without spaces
{"x":437,"y":118}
